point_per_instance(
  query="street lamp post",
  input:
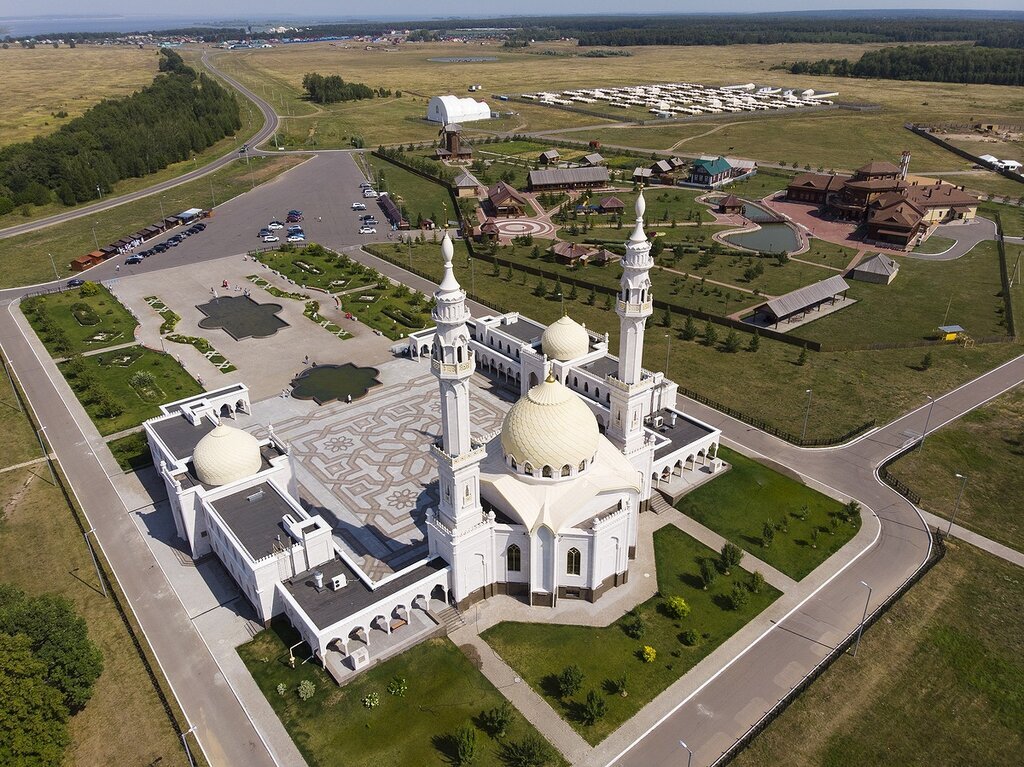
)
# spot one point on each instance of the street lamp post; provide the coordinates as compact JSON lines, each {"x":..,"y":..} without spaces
{"x":95,"y":564}
{"x":689,"y":754}
{"x":10,"y":380}
{"x":46,"y":454}
{"x":927,"y":420}
{"x":668,"y":350}
{"x":184,"y":742}
{"x":562,"y":300}
{"x":807,"y":415}
{"x":95,"y":239}
{"x":54,"y":265}
{"x":956,"y":506}
{"x":863,"y":618}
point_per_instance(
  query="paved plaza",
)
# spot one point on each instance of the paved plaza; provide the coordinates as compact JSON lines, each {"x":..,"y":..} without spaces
{"x":366,"y":466}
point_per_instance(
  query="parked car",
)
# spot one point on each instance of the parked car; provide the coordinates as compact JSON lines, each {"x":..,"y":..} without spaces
{"x":367,"y":230}
{"x":200,"y":226}
{"x":359,"y":206}
{"x":294,"y":212}
{"x":135,"y":259}
{"x":275,"y":225}
{"x":264,"y":232}
{"x":271,"y":238}
{"x":160,"y":247}
{"x":294,"y":228}
{"x":365,"y":185}
{"x":75,"y":282}
{"x":293,"y":219}
{"x":296,"y":237}
{"x":370,"y":194}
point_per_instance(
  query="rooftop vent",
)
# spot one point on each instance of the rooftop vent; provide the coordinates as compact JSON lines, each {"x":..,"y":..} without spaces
{"x":318,"y":580}
{"x":257,"y":496}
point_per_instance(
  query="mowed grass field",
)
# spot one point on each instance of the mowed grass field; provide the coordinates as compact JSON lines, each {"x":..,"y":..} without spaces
{"x":124,"y":722}
{"x":986,"y":446}
{"x":39,"y":83}
{"x":937,"y":681}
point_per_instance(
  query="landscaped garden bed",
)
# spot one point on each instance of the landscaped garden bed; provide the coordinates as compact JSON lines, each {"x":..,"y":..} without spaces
{"x":131,"y":451}
{"x":122,"y":388}
{"x":806,"y":527}
{"x":170,"y":321}
{"x":79,"y":320}
{"x":314,"y":266}
{"x":643,"y":652}
{"x":408,"y":710}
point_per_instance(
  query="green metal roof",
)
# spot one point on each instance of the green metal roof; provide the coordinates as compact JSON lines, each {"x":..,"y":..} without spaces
{"x":713,"y":167}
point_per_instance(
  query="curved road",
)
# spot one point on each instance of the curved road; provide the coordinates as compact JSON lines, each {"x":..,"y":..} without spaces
{"x":270,"y":123}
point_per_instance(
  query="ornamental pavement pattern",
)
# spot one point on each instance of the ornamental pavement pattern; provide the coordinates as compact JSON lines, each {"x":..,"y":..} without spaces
{"x":366,"y":467}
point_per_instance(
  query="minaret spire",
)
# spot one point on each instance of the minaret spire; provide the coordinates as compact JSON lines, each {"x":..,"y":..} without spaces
{"x":634,"y":305}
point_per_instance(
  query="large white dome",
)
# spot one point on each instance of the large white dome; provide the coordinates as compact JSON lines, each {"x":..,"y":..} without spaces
{"x":550,"y":426}
{"x":565,"y":339}
{"x":226,"y":455}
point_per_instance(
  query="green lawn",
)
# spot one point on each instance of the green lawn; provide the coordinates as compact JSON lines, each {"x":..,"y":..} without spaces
{"x":315,"y":266}
{"x":445,"y":691}
{"x":21,"y":443}
{"x":24,"y":261}
{"x":739,"y":504}
{"x":828,"y":254}
{"x":1012,"y":217}
{"x":937,"y":681}
{"x":935,"y":244}
{"x":414,"y":194}
{"x":916,"y":303}
{"x":539,"y":651}
{"x":79,"y":320}
{"x":987,"y":446}
{"x":131,"y":451}
{"x":103,"y":383}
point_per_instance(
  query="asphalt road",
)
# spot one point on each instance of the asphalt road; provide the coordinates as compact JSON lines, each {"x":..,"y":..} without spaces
{"x":270,"y":123}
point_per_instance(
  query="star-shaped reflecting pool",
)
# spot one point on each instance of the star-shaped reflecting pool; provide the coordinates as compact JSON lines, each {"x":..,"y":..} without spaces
{"x":326,"y":383}
{"x":241,"y":317}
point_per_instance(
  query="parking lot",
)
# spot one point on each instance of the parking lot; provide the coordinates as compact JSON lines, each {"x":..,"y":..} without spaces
{"x":323,"y":188}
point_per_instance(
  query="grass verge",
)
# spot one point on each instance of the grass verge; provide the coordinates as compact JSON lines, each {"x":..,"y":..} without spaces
{"x":807,"y":527}
{"x":540,"y":651}
{"x":131,"y":451}
{"x":80,"y":320}
{"x":985,"y":445}
{"x":936,"y":682}
{"x":335,"y":727}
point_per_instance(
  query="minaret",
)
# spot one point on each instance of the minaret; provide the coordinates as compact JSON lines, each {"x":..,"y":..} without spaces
{"x":634,"y":305}
{"x":630,"y":398}
{"x":452,"y":363}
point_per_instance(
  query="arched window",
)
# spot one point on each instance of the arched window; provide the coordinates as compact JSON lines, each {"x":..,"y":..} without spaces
{"x":586,"y":386}
{"x":513,"y":559}
{"x":528,"y":469}
{"x":583,"y":465}
{"x":597,"y":393}
{"x":546,"y":471}
{"x":458,"y":354}
{"x":512,"y":462}
{"x":572,"y":562}
{"x":565,"y":470}
{"x":575,"y":382}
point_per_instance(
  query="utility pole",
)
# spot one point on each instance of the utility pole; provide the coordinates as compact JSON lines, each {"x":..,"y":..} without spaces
{"x":10,"y":380}
{"x":952,"y":518}
{"x":54,"y":265}
{"x":95,"y":562}
{"x":863,"y":619}
{"x":927,"y":420}
{"x":807,"y":415}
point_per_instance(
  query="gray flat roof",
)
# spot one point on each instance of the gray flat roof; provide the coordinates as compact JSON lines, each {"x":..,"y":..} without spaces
{"x":685,"y":432}
{"x":180,"y":436}
{"x":523,"y":329}
{"x":602,"y":366}
{"x":568,"y":176}
{"x":327,"y":607}
{"x":254,"y":516}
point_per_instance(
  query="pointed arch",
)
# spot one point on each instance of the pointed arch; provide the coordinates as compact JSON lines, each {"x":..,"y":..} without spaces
{"x":572,"y":561}
{"x":513,"y":559}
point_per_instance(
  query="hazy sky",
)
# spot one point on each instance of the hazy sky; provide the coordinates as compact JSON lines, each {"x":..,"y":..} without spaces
{"x":426,"y":8}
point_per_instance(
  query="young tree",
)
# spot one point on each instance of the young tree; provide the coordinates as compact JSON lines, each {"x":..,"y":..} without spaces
{"x":497,"y":720}
{"x":710,"y":334}
{"x":465,"y":745}
{"x":666,"y":317}
{"x":592,"y":297}
{"x":609,"y":302}
{"x":730,"y":556}
{"x":732,"y":341}
{"x":926,"y":361}
{"x":594,"y":708}
{"x":739,"y":597}
{"x":570,"y":681}
{"x":708,"y":572}
{"x":689,"y":331}
{"x":756,"y":584}
{"x":531,"y":751}
{"x":802,"y":359}
{"x":767,"y":535}
{"x":851,"y":511}
{"x":754,"y":343}
{"x":541,"y":290}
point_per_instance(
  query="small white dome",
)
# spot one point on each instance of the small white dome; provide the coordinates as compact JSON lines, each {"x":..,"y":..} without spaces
{"x":565,"y":339}
{"x":226,"y":455}
{"x":550,"y":426}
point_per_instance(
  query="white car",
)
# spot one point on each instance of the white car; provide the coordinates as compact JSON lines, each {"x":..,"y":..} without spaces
{"x":367,"y":230}
{"x":271,"y":238}
{"x":275,"y":225}
{"x":359,"y":206}
{"x":369,"y":194}
{"x":296,"y":238}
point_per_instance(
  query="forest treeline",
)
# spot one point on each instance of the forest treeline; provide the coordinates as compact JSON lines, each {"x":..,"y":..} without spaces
{"x":992,"y":29}
{"x":937,"y":63}
{"x":168,"y":121}
{"x":328,"y":89}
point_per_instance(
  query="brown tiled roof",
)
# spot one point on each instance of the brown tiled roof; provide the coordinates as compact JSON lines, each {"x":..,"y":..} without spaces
{"x":732,"y":201}
{"x":878,"y":167}
{"x":822,"y":181}
{"x":501,"y":194}
{"x":903,"y":213}
{"x":939,"y":196}
{"x":873,"y":184}
{"x":571,"y":250}
{"x":611,"y":202}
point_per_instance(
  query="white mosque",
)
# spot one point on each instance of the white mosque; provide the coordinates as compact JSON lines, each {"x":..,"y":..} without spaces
{"x":543,"y":510}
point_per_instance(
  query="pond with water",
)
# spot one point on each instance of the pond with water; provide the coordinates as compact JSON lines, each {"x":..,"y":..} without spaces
{"x":770,"y":238}
{"x":326,"y":383}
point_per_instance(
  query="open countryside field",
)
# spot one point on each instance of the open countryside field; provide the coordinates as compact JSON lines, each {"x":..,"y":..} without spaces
{"x":804,"y":138}
{"x":124,"y":722}
{"x":986,"y":446}
{"x":75,"y":238}
{"x":936,"y":681}
{"x":40,"y":82}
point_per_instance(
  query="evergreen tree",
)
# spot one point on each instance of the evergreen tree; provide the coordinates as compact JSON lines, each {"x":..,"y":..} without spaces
{"x":710,"y":334}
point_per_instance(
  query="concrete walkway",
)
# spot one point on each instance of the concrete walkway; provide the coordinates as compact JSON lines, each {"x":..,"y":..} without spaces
{"x":975,"y":539}
{"x":26,"y":464}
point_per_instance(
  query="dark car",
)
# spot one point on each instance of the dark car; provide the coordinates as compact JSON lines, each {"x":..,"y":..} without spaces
{"x":160,"y":247}
{"x":145,"y":253}
{"x":200,"y":226}
{"x":136,"y":259}
{"x":75,"y":282}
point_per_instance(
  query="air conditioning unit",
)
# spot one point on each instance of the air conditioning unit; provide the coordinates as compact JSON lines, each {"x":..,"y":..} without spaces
{"x":658,"y":421}
{"x":338,"y":582}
